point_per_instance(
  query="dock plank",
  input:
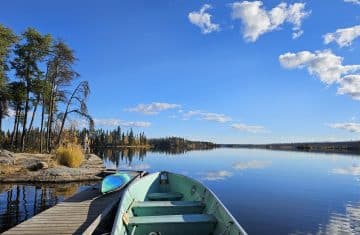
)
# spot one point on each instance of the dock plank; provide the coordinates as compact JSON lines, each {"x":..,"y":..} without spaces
{"x":78,"y":214}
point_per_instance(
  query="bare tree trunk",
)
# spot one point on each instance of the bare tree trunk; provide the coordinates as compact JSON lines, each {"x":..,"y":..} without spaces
{"x":33,"y":114}
{"x":1,"y":118}
{"x":17,"y":130}
{"x":14,"y":129}
{"x":42,"y":126}
{"x":62,"y":127}
{"x":0,"y":125}
{"x":50,"y":121}
{"x":25,"y":117}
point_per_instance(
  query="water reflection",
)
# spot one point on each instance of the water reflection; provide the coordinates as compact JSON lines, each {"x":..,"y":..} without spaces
{"x":254,"y":164}
{"x":347,"y":223}
{"x":20,"y":202}
{"x":352,"y":170}
{"x":268,"y":192}
{"x":114,"y":156}
{"x":216,"y":175}
{"x":343,"y":223}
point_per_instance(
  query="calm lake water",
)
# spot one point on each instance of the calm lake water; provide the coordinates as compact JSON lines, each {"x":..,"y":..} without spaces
{"x":268,"y":192}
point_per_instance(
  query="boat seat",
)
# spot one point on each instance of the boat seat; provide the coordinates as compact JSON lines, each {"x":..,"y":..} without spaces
{"x":169,"y":196}
{"x":192,"y":224}
{"x":148,"y":208}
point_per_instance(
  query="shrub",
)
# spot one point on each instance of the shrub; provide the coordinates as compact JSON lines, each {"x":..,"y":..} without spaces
{"x":70,"y":155}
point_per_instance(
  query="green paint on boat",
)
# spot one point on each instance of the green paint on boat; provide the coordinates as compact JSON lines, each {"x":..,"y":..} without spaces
{"x":167,"y":203}
{"x":116,"y":181}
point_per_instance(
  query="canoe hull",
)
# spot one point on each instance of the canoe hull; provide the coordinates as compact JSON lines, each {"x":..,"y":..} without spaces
{"x":191,"y":190}
{"x":115,"y":181}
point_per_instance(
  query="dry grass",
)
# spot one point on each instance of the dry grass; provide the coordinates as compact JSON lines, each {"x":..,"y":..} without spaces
{"x":9,"y":169}
{"x":70,"y":155}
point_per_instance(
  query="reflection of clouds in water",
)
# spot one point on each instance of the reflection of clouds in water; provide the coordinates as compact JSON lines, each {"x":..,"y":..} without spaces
{"x":352,"y":170}
{"x":255,"y":164}
{"x":347,"y":223}
{"x":216,"y":175}
{"x":137,"y":167}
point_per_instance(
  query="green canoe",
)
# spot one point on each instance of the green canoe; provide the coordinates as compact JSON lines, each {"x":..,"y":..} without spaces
{"x":165,"y":203}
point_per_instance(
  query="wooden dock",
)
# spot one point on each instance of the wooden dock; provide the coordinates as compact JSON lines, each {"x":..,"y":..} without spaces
{"x":79,"y":214}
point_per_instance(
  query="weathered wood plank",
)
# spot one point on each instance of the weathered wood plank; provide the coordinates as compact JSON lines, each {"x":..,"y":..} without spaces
{"x":79,"y":214}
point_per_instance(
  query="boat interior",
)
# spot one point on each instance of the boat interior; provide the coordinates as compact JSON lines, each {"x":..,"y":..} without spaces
{"x":167,"y":203}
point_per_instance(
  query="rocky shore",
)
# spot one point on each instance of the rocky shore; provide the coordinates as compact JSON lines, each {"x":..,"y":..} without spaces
{"x":27,"y":167}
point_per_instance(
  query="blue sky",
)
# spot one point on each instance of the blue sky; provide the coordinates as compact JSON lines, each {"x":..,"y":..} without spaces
{"x":229,"y":72}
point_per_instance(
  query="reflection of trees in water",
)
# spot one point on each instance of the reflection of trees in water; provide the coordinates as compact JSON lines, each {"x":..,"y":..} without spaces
{"x":118,"y":155}
{"x":127,"y":155}
{"x":20,"y":202}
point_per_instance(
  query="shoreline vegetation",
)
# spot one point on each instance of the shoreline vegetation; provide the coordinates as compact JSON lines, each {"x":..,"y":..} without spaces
{"x":350,"y":147}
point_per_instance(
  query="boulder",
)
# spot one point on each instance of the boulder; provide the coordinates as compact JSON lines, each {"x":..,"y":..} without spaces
{"x":35,"y":164}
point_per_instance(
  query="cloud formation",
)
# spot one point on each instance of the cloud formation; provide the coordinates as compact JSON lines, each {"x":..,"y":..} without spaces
{"x":353,"y":1}
{"x":328,"y":67}
{"x":153,"y":108}
{"x":343,"y":37}
{"x":350,"y":85}
{"x":248,"y":128}
{"x":216,"y":175}
{"x":256,"y":20}
{"x":202,"y":19}
{"x":112,"y":122}
{"x":208,"y":116}
{"x":323,"y":64}
{"x":348,"y":126}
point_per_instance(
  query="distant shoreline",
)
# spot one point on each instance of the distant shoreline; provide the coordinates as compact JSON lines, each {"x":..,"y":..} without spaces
{"x":349,"y":147}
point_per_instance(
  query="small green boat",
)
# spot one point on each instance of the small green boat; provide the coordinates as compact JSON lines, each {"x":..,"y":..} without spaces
{"x":165,"y":203}
{"x":116,"y":181}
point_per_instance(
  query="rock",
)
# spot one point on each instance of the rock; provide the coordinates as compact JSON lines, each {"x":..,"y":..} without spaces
{"x":43,"y":165}
{"x":6,"y":157}
{"x":35,"y":164}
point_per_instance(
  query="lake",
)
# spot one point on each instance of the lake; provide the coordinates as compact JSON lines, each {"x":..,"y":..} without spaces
{"x":268,"y":192}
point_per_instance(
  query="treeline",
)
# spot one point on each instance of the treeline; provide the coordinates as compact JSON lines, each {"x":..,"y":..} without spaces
{"x":37,"y":75}
{"x":326,"y":147}
{"x":178,"y":145}
{"x":117,"y":138}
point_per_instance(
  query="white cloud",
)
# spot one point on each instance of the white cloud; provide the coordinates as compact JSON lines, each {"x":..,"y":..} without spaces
{"x":153,"y":108}
{"x":353,"y":1}
{"x":256,"y":20}
{"x":216,"y":175}
{"x":324,"y":64}
{"x":297,"y":34}
{"x":328,"y":67}
{"x":202,"y":19}
{"x":348,"y":126}
{"x":343,"y":37}
{"x":217,"y":117}
{"x":350,"y":85}
{"x":248,"y":128}
{"x":111,"y":122}
{"x":255,"y":164}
